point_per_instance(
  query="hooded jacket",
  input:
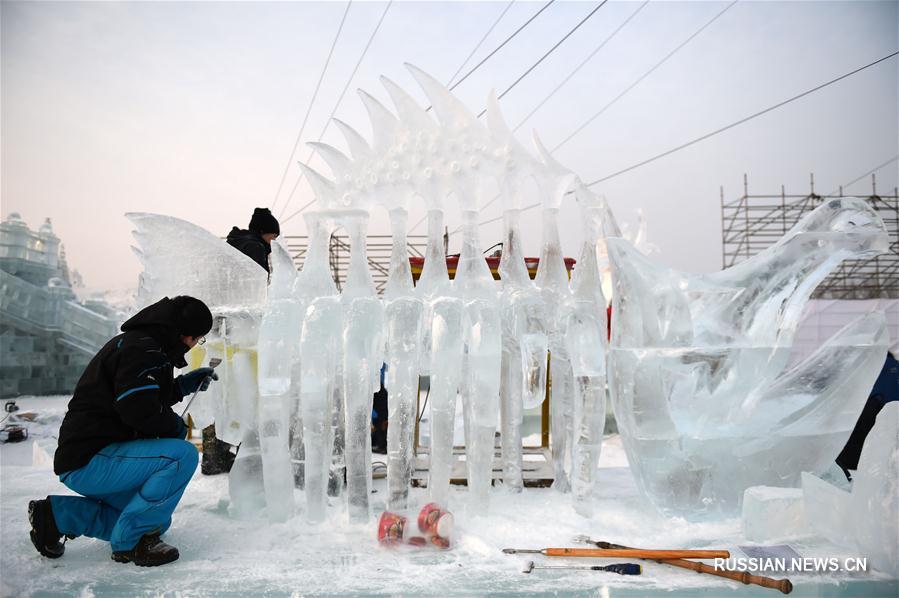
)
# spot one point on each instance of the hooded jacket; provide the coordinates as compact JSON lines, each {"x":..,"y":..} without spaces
{"x":251,"y":244}
{"x":127,"y":390}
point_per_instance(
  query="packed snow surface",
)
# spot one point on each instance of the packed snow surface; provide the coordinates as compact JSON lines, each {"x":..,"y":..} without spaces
{"x":221,"y":555}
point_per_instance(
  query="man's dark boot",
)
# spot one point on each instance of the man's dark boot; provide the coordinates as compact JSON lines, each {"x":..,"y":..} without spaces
{"x":149,"y":552}
{"x":217,"y":457}
{"x":44,"y":534}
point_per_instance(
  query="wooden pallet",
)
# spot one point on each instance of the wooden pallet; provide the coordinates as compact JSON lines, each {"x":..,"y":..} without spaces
{"x":537,"y":471}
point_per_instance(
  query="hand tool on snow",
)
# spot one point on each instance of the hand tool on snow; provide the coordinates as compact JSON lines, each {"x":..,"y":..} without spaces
{"x":213,"y":363}
{"x":619,"y":568}
{"x":784,"y":585}
{"x":624,"y":553}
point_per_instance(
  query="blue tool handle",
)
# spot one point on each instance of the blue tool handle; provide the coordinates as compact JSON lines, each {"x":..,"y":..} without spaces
{"x":621,"y":568}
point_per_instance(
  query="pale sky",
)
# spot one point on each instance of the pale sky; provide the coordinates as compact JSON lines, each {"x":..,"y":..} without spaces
{"x":191,"y":109}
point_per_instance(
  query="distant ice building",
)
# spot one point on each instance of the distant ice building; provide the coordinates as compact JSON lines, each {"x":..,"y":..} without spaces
{"x":47,"y":336}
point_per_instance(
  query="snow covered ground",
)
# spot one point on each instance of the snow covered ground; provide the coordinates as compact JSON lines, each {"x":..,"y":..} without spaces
{"x":221,"y":556}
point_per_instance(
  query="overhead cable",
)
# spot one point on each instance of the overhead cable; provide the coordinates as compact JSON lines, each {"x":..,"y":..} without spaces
{"x":318,"y":85}
{"x":580,"y":66}
{"x":644,"y":76}
{"x":867,"y":174}
{"x":742,"y":120}
{"x":339,"y":100}
{"x":480,"y":43}
{"x":499,"y":47}
{"x":734,"y":124}
{"x":558,"y":87}
{"x":548,"y":52}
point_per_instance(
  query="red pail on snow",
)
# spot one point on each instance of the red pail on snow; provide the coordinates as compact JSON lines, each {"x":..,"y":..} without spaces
{"x":436,"y":523}
{"x":391,"y":528}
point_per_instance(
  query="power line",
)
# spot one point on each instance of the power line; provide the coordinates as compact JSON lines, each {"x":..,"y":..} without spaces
{"x":870,"y":172}
{"x":581,"y":65}
{"x":300,"y":211}
{"x":558,"y":87}
{"x":644,"y":75}
{"x":480,"y":43}
{"x":548,"y":52}
{"x":722,"y":129}
{"x":339,"y":100}
{"x":620,"y":95}
{"x":742,"y":120}
{"x":318,"y":85}
{"x":499,"y":47}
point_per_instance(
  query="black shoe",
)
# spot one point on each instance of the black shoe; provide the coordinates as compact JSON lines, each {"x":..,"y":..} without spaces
{"x":149,"y":552}
{"x":44,"y":534}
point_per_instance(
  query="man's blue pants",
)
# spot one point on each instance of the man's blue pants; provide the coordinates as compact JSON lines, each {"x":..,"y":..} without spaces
{"x":128,"y":489}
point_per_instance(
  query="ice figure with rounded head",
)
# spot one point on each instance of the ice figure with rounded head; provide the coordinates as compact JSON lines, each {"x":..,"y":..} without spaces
{"x":363,"y":355}
{"x":320,"y":370}
{"x":278,"y":347}
{"x":583,"y":325}
{"x":524,"y":342}
{"x":698,"y":372}
{"x":554,"y":182}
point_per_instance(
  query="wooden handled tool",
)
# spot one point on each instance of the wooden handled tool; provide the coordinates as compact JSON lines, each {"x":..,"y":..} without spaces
{"x":631,"y":553}
{"x":784,"y":585}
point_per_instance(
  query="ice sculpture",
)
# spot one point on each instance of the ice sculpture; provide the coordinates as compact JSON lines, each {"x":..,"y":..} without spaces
{"x":473,"y":284}
{"x":524,"y":341}
{"x":704,"y":406}
{"x":585,"y":333}
{"x":180,"y":258}
{"x":524,"y":347}
{"x":279,"y":339}
{"x":866,"y":519}
{"x":362,"y":358}
{"x":697,"y":368}
{"x":245,"y":480}
{"x":320,"y":349}
{"x":403,"y":314}
{"x":552,"y":282}
{"x":481,"y":364}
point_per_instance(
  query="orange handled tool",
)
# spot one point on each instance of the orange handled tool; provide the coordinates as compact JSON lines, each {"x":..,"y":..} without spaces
{"x":630,"y":553}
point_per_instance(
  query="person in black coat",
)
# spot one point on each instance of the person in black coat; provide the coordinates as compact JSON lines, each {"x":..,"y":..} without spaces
{"x":121,"y":445}
{"x":256,"y":241}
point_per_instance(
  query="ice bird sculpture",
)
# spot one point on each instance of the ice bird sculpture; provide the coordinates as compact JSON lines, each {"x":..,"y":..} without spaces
{"x":704,"y":403}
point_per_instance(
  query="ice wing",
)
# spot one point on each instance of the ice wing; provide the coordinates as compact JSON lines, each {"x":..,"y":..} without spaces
{"x":181,"y":258}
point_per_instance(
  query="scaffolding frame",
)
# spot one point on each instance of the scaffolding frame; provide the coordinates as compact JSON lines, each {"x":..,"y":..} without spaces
{"x":752,"y":223}
{"x":378,"y":248}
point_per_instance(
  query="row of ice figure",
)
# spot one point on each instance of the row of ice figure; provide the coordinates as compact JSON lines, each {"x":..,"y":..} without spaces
{"x":697,"y":367}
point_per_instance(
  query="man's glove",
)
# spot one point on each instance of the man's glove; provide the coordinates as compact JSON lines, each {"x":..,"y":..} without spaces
{"x":197,"y":379}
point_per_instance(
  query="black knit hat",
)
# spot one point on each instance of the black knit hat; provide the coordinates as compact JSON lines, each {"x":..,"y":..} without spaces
{"x":192,"y":317}
{"x":263,"y":222}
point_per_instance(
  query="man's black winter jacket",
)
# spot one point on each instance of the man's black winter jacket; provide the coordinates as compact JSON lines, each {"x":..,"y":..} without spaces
{"x":127,"y":390}
{"x":251,"y":244}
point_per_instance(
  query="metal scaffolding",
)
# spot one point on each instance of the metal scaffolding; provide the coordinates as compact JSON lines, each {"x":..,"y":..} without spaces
{"x":752,"y":223}
{"x":378,"y":248}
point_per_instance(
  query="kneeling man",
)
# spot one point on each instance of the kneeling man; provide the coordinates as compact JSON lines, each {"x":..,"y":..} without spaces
{"x":121,"y":446}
